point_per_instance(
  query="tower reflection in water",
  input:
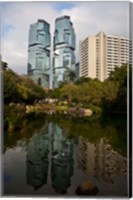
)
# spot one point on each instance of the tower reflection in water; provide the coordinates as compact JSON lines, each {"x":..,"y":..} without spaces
{"x":101,"y":161}
{"x":50,"y":148}
{"x":62,"y":161}
{"x":37,"y":158}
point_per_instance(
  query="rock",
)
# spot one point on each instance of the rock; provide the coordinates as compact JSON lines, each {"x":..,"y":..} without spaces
{"x":76,"y":111}
{"x":87,"y":188}
{"x":88,"y":112}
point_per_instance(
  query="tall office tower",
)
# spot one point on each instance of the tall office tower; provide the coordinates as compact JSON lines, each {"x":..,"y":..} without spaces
{"x":64,"y":46}
{"x":39,"y":53}
{"x":101,"y":53}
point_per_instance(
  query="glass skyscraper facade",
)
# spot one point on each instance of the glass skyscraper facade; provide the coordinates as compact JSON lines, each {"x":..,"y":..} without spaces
{"x":64,"y":46}
{"x":39,"y":53}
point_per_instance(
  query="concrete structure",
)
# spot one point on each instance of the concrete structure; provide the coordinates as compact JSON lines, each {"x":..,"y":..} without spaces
{"x":39,"y":53}
{"x":64,"y":46}
{"x":101,"y":53}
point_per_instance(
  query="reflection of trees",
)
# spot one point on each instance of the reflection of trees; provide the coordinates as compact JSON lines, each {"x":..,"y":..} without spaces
{"x":37,"y":158}
{"x":94,"y":156}
{"x":24,"y":132}
{"x":101,"y":161}
{"x":62,"y":160}
{"x":114,"y":131}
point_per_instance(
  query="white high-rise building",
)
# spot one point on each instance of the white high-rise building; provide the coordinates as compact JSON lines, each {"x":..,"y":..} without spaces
{"x":101,"y":53}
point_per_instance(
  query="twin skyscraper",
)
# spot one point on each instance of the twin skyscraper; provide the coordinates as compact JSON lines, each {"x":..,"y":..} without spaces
{"x":40,"y":67}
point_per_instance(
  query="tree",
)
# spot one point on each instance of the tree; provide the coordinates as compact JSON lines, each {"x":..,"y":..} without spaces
{"x":68,"y":77}
{"x":71,"y":75}
{"x":4,"y":65}
{"x":70,"y":91}
{"x":91,"y":92}
{"x":87,"y":93}
{"x":82,"y":80}
{"x":110,"y":90}
{"x":119,"y":74}
{"x":10,"y":89}
{"x":29,"y":90}
{"x":18,"y":88}
{"x":115,"y":89}
{"x":55,"y":93}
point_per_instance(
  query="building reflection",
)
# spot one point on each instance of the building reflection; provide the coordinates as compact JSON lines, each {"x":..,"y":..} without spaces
{"x":62,"y":160}
{"x":101,"y":161}
{"x":50,"y":152}
{"x":37,"y":158}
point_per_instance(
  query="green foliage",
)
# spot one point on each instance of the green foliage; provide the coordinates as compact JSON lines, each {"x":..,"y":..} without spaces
{"x":119,"y":74}
{"x":82,"y":80}
{"x":18,"y":88}
{"x":70,"y":92}
{"x":13,"y":115}
{"x":110,"y":95}
{"x":110,"y":90}
{"x":85,"y":93}
{"x":55,"y":93}
{"x":16,"y":121}
{"x":69,"y":77}
{"x":112,"y":131}
{"x":115,"y":90}
{"x":91,"y":92}
{"x":61,"y":108}
{"x":10,"y":88}
{"x":30,"y":91}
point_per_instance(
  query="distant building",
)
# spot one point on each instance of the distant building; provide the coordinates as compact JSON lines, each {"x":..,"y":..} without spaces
{"x":101,"y":53}
{"x":39,"y":53}
{"x":64,"y":46}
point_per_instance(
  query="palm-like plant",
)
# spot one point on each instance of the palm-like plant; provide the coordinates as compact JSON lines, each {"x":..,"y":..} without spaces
{"x":69,"y":76}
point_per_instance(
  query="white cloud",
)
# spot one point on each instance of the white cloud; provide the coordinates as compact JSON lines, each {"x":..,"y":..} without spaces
{"x":91,"y":17}
{"x":15,"y":41}
{"x":87,"y":17}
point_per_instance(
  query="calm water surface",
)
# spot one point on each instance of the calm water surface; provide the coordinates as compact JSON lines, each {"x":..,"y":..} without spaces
{"x":53,"y":156}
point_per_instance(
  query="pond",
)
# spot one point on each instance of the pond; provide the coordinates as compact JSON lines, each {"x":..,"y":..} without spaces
{"x":52,"y":156}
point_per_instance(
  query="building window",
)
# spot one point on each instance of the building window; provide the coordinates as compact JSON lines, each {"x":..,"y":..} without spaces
{"x":66,"y":60}
{"x":67,"y":37}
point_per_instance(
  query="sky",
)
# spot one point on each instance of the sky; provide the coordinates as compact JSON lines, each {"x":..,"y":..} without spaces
{"x":89,"y":18}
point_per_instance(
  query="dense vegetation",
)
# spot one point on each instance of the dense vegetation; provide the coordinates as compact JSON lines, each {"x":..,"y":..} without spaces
{"x":18,"y":88}
{"x":107,"y":96}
